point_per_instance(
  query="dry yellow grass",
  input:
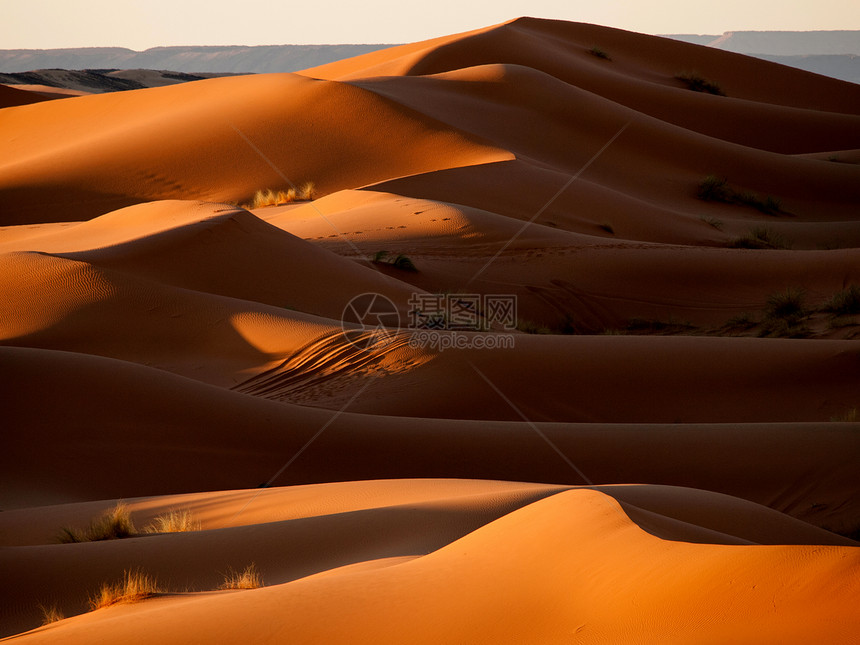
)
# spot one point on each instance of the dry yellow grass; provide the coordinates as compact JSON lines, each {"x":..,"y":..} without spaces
{"x":269,"y":197}
{"x":114,"y":524}
{"x":50,"y":614}
{"x":848,"y":416}
{"x":248,"y":579}
{"x":175,"y":521}
{"x":134,"y":586}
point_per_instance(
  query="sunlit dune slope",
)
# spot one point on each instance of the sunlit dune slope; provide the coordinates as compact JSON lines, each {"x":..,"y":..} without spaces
{"x":219,"y":139}
{"x":571,"y":563}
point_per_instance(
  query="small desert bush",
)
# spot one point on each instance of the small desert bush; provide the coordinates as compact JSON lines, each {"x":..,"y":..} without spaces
{"x":269,"y":197}
{"x":606,"y":227}
{"x":404,"y":263}
{"x":134,"y":586}
{"x":713,"y":221}
{"x":717,"y":189}
{"x":114,"y":524}
{"x":249,"y":578}
{"x":767,"y":205}
{"x":399,"y":261}
{"x":714,"y":189}
{"x":741,"y":322}
{"x":760,"y":237}
{"x":784,"y":314}
{"x":838,"y":322}
{"x":174,"y":521}
{"x":845,"y":302}
{"x":50,"y":614}
{"x":783,"y":328}
{"x":698,"y":83}
{"x":772,"y":205}
{"x":786,"y":304}
{"x":599,"y":53}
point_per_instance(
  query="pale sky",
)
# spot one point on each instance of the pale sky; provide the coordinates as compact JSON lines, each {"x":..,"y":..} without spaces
{"x":43,"y":24}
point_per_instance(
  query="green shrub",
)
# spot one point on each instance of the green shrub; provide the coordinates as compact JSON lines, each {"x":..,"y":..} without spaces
{"x":599,"y":53}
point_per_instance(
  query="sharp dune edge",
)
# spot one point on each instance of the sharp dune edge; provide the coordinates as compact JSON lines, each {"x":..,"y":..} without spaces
{"x":680,"y":479}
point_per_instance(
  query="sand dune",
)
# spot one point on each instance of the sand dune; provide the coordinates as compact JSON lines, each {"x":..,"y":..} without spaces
{"x":669,"y":456}
{"x":509,"y":573}
{"x":72,"y":161}
{"x":12,"y":96}
{"x":154,"y":420}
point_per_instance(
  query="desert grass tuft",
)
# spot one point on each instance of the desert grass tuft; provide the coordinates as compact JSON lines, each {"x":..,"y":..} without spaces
{"x":646,"y":326}
{"x":845,"y":302}
{"x":713,"y":222}
{"x":848,"y":416}
{"x":50,"y":614}
{"x":696,"y":82}
{"x":741,"y":322}
{"x":175,"y":521}
{"x":714,"y":189}
{"x":531,"y":327}
{"x":760,"y":237}
{"x":606,"y":227}
{"x":114,"y":524}
{"x":249,"y":578}
{"x":768,"y":205}
{"x":783,"y":315}
{"x":599,"y":53}
{"x":269,"y":197}
{"x":134,"y":586}
{"x":785,"y":304}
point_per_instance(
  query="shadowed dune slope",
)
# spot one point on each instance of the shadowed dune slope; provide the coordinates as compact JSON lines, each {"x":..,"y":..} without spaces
{"x":13,"y":96}
{"x":107,"y":426}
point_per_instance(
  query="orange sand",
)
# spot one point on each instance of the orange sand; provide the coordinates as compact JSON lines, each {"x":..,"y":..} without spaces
{"x":637,"y":474}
